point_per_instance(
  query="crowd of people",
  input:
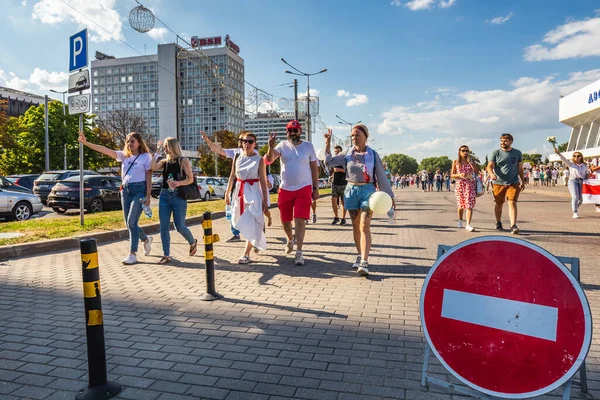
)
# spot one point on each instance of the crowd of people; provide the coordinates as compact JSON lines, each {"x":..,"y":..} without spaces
{"x":357,"y":173}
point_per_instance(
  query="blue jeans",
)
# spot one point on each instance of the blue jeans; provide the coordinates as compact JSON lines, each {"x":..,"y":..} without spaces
{"x":575,"y":187}
{"x":132,"y":209}
{"x":168,"y":203}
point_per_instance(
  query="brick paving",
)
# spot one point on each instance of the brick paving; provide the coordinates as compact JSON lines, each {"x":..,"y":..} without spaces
{"x":313,"y":332}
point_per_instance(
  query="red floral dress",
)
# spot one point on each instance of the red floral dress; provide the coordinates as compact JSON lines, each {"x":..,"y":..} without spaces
{"x":466,"y":191}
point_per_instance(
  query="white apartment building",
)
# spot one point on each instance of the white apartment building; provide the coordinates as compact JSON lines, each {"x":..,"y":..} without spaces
{"x":271,"y":121}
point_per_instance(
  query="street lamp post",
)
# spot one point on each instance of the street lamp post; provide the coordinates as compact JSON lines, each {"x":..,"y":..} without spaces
{"x":307,"y":75}
{"x":351,"y":124}
{"x":64,"y":121}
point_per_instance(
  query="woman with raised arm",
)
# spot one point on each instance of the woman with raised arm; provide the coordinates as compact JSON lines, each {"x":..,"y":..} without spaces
{"x":464,"y":170}
{"x":136,"y":174}
{"x":578,"y":171}
{"x":174,"y":166}
{"x":249,"y":199}
{"x":364,"y":170}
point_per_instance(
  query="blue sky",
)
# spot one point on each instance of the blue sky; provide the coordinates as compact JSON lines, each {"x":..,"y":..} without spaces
{"x":425,"y":75}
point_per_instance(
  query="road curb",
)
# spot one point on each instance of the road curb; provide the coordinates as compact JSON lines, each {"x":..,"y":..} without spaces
{"x":9,"y":252}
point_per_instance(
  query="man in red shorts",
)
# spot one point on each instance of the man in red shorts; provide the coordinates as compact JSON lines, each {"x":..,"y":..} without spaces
{"x":299,"y":184}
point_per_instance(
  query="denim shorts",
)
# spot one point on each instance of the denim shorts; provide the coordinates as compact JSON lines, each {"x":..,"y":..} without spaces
{"x":356,"y":197}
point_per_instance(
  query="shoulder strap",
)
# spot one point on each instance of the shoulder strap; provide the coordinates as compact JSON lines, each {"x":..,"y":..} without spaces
{"x":131,"y":165}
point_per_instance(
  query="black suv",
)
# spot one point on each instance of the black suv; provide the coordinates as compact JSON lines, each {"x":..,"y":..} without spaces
{"x":100,"y":193}
{"x":44,"y":183}
{"x":6,"y":184}
{"x":25,"y":180}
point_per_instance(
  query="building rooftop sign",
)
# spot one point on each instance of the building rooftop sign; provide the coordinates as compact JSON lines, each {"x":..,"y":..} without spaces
{"x":195,"y":41}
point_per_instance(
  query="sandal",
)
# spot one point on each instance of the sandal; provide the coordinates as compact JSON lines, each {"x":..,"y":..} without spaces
{"x":193,"y":247}
{"x":165,"y":260}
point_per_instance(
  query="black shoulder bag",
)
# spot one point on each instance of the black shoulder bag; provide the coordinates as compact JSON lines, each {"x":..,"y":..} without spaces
{"x":187,"y":192}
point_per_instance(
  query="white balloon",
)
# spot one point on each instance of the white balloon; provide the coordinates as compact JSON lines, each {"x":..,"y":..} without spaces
{"x":380,"y":202}
{"x":321,"y":154}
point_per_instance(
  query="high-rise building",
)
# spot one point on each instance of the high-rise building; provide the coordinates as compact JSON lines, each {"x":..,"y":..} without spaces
{"x":271,"y":121}
{"x":18,"y":101}
{"x":179,"y":92}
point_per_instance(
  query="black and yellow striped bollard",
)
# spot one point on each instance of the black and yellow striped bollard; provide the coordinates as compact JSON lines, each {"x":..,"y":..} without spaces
{"x":209,"y":259}
{"x":98,"y":388}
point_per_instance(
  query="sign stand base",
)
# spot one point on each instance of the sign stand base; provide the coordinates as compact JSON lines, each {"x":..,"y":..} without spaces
{"x":425,"y":379}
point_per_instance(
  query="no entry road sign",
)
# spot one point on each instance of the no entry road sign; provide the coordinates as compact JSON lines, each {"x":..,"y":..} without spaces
{"x":505,"y":317}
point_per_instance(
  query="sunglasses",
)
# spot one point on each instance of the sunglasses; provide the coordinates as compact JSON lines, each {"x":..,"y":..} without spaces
{"x":249,"y":141}
{"x":464,"y":150}
{"x":292,"y":130}
{"x":578,"y":156}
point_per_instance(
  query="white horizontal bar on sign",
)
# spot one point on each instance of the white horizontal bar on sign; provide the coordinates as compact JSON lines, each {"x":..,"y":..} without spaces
{"x":508,"y":315}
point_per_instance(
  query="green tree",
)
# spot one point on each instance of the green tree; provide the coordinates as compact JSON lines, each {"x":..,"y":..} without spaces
{"x":274,"y":168}
{"x":562,"y":147}
{"x":442,"y":163}
{"x":401,"y":164}
{"x":25,"y":137}
{"x":227,"y":140}
{"x":534,"y":158}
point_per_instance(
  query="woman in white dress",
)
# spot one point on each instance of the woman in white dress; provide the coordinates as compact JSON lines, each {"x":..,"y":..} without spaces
{"x":249,"y":200}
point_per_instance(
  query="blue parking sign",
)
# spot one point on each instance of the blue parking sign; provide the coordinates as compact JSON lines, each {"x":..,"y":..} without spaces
{"x":78,"y":51}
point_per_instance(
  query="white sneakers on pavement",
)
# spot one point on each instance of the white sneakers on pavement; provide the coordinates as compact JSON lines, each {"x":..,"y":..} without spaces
{"x":299,"y":260}
{"x":357,"y":262}
{"x":470,"y":228}
{"x":148,"y":246}
{"x":363,"y":268}
{"x":460,"y":223}
{"x":130,"y":259}
{"x":575,"y":216}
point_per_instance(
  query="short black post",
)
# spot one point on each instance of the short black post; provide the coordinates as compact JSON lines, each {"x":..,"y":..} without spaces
{"x":209,"y":259}
{"x":98,"y":388}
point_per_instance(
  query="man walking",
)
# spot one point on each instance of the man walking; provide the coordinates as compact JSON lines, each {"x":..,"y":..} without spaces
{"x":299,"y":185}
{"x":505,"y":167}
{"x":337,"y":190}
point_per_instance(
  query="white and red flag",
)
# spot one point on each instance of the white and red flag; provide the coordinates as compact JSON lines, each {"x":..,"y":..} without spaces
{"x":591,"y":191}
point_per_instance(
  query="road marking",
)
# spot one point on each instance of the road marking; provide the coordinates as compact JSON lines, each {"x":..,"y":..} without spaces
{"x":507,"y":315}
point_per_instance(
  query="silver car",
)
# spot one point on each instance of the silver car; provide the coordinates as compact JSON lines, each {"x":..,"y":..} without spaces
{"x":19,"y":206}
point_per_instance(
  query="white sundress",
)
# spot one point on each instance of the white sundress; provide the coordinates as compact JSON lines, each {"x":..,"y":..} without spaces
{"x":251,"y":222}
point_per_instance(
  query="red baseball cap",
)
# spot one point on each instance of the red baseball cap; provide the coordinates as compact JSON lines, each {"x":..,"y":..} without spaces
{"x":294,"y":125}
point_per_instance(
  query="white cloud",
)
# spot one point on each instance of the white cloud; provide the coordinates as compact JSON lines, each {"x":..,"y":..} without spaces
{"x":575,"y":39}
{"x":530,"y":104}
{"x":39,"y":80}
{"x":342,"y":93}
{"x":313,"y":92}
{"x":417,"y":5}
{"x":24,"y":3}
{"x":158,"y":34}
{"x":499,"y":20}
{"x":107,"y":26}
{"x":357,"y":100}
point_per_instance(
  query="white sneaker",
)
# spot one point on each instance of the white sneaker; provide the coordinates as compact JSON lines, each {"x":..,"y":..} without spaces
{"x":130,"y":259}
{"x":289,"y":246}
{"x":244,"y":260}
{"x":597,"y":209}
{"x":575,"y":216}
{"x":148,"y":246}
{"x":356,"y":263}
{"x":299,"y":259}
{"x":363,"y":269}
{"x":460,"y":224}
{"x":469,"y":228}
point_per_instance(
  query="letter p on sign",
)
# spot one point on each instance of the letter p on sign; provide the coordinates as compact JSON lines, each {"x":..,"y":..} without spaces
{"x":78,"y":51}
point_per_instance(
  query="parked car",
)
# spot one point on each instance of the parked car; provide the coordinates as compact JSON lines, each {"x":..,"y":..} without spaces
{"x":323,"y":183}
{"x":213,"y":187}
{"x":6,"y":184}
{"x":19,"y":206}
{"x":100,"y":193}
{"x":25,"y":180}
{"x":276,"y":183}
{"x":44,"y":183}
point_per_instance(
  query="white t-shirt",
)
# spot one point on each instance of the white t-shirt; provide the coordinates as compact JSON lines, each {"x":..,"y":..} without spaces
{"x":230,"y":153}
{"x":137,"y":173}
{"x":295,"y":164}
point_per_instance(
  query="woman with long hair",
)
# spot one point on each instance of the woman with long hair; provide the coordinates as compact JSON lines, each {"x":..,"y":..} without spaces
{"x":578,"y":171}
{"x":136,"y":174}
{"x":364,"y":170}
{"x":249,"y":200}
{"x":464,"y":171}
{"x":173,"y":166}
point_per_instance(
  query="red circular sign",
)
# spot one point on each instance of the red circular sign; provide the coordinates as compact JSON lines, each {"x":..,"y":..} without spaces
{"x":505,"y":317}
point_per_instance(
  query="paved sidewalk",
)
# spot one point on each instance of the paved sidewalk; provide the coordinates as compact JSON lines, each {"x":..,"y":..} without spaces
{"x":313,"y":332}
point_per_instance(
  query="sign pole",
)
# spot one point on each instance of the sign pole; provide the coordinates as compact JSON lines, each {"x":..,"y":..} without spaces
{"x":81,"y":188}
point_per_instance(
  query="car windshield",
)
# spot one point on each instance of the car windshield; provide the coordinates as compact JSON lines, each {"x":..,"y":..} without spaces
{"x":199,"y":180}
{"x":13,"y":180}
{"x":49,"y":177}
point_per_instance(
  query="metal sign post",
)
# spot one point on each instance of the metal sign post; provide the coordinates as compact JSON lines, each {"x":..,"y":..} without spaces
{"x":490,"y":311}
{"x":80,"y":103}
